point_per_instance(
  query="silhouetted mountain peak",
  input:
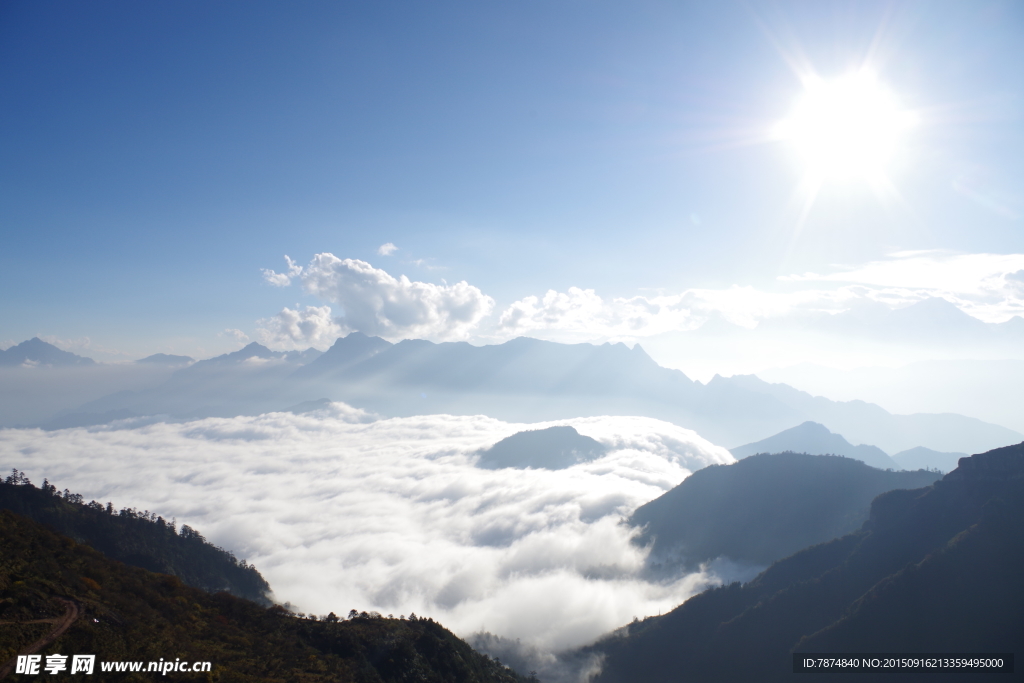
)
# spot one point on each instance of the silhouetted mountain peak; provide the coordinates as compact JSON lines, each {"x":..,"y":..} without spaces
{"x":37,"y":352}
{"x":816,"y":439}
{"x":554,"y":448}
{"x":251,"y":350}
{"x":815,"y":429}
{"x":344,"y":353}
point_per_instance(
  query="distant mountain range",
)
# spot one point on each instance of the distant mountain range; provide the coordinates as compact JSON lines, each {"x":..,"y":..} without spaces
{"x":932,"y":570}
{"x":816,"y":439}
{"x":764,"y":507}
{"x":970,"y":387}
{"x":529,"y":380}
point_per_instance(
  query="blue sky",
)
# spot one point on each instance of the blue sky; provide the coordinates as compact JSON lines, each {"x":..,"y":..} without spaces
{"x":158,"y":157}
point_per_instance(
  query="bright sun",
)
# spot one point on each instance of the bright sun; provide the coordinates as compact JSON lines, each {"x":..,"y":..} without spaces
{"x":847,"y":128}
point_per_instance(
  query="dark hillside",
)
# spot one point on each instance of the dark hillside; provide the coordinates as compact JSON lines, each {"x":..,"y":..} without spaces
{"x":129,"y":614}
{"x":932,"y":570}
{"x":138,"y":538}
{"x":765,"y":507}
{"x":554,"y":448}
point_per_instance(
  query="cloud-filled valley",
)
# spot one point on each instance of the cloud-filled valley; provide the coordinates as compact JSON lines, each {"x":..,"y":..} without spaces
{"x":341,"y":510}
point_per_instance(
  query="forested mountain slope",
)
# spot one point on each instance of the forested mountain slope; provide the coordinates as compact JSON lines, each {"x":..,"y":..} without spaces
{"x":765,"y":507}
{"x":123,"y":613}
{"x":932,"y":570}
{"x":135,"y":537}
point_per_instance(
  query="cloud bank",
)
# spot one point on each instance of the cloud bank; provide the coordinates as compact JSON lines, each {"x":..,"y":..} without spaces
{"x":989,"y":287}
{"x":585,"y":315}
{"x":340,"y":512}
{"x":299,"y":329}
{"x":376,"y":303}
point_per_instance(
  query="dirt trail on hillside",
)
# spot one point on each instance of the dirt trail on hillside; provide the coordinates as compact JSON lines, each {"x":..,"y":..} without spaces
{"x":61,"y":624}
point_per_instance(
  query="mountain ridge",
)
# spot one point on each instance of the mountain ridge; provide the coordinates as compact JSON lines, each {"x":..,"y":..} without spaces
{"x":815,"y":439}
{"x":529,"y":380}
{"x":123,"y":613}
{"x":764,"y":507}
{"x":895,"y":585}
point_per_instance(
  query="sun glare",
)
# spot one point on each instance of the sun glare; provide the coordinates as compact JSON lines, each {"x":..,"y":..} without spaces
{"x":847,"y":128}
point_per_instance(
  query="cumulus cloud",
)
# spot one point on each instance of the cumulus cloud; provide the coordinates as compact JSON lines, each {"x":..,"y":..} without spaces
{"x":236,"y":334}
{"x":299,"y":329}
{"x":387,"y":249}
{"x":376,"y":303}
{"x":339,"y":512}
{"x":283,"y":279}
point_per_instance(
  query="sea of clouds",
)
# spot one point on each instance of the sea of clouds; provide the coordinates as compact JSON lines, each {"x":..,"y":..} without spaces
{"x":341,"y":510}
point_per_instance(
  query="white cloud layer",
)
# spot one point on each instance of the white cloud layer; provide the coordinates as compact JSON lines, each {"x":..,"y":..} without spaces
{"x":299,"y":329}
{"x":376,"y":303}
{"x":339,"y":512}
{"x":989,"y":287}
{"x":387,"y":249}
{"x":582,"y":315}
